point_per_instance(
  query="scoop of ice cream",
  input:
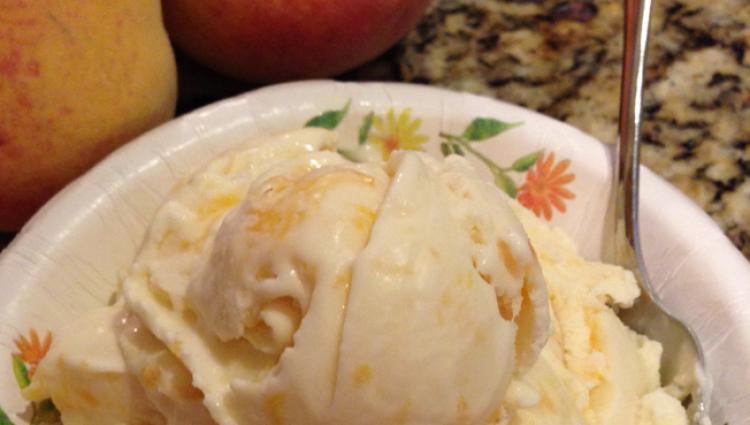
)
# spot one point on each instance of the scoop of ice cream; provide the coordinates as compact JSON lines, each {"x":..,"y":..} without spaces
{"x":593,"y":370}
{"x":180,"y":240}
{"x":337,"y":292}
{"x":107,"y":367}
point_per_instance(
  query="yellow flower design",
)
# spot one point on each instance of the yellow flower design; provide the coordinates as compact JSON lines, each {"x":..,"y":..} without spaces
{"x":396,"y":133}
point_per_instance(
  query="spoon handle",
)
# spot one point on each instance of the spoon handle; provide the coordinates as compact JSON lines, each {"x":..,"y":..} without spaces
{"x":637,"y":14}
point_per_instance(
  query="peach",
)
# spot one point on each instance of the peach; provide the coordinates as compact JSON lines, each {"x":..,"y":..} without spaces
{"x":77,"y":80}
{"x":275,"y":40}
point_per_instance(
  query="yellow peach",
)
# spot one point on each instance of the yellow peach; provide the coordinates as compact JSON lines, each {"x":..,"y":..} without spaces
{"x":77,"y":80}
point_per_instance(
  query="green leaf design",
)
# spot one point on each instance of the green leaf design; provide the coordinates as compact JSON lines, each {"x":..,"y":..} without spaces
{"x":451,"y":148}
{"x":20,"y":372}
{"x":445,"y":149}
{"x":329,"y":119}
{"x":4,"y":419}
{"x":484,"y":128}
{"x":364,"y":129}
{"x":525,"y":162}
{"x":506,"y":184}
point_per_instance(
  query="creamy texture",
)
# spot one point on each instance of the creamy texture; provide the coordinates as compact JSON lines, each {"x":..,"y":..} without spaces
{"x":284,"y":284}
{"x":85,"y":374}
{"x":593,"y":370}
{"x":326,"y":295}
{"x":165,"y":380}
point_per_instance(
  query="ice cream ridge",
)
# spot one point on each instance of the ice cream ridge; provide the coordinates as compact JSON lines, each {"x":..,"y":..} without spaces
{"x":285,"y":284}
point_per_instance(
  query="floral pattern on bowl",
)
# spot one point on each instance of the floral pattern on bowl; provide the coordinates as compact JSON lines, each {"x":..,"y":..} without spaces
{"x":542,"y":191}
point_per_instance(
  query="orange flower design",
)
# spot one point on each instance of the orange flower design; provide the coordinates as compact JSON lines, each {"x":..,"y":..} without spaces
{"x":544,"y":187}
{"x":33,"y":350}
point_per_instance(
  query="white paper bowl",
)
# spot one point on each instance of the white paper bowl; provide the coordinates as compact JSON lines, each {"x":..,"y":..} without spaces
{"x":70,"y":255}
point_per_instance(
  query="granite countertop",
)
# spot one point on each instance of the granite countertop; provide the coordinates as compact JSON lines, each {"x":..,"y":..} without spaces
{"x":562,"y":58}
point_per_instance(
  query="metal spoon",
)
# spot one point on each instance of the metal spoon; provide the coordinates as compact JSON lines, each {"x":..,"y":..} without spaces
{"x":682,"y":356}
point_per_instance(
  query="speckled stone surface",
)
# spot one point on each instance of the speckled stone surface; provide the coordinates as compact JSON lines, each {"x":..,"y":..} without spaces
{"x":562,"y":57}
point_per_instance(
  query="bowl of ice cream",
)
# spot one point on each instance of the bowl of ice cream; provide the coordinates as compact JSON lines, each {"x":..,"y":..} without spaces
{"x":323,"y":252}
